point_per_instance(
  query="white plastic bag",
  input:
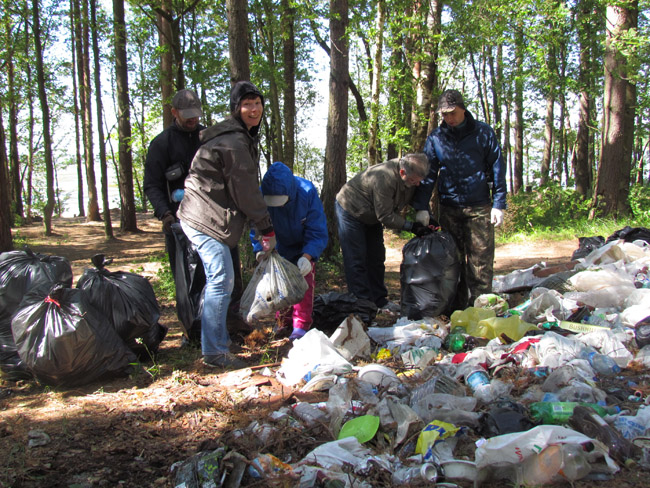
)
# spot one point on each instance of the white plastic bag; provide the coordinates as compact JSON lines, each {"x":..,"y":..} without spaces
{"x":276,"y":284}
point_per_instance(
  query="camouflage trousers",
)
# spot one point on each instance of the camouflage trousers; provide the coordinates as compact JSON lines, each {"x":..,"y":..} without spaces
{"x":474,"y":236}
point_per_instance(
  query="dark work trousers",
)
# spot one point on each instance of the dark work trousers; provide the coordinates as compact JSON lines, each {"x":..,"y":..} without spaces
{"x":474,"y":236}
{"x":363,"y":257}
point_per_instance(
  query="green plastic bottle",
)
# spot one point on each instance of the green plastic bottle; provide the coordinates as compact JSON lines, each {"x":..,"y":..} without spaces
{"x":558,"y":413}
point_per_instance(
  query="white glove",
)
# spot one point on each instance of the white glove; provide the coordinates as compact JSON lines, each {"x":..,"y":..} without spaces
{"x":496,"y":217}
{"x":304,"y":265}
{"x":422,"y":216}
{"x":260,"y":256}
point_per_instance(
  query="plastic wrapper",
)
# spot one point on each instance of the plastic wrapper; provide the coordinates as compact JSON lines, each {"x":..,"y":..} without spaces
{"x":20,"y":272}
{"x":65,"y":341}
{"x":429,"y":275}
{"x":275,"y":285}
{"x":129,"y":303}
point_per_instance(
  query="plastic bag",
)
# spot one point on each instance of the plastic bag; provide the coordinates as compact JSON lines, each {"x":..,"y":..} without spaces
{"x":586,"y":245}
{"x":189,"y":281}
{"x":21,"y":271}
{"x":333,"y":308}
{"x":65,"y":341}
{"x":276,"y":284}
{"x":429,"y":275}
{"x":129,"y":303}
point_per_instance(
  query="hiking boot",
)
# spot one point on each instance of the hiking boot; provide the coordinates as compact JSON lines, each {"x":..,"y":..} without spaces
{"x":225,"y":360}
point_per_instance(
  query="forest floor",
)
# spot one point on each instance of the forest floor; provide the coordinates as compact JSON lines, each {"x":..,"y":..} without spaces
{"x":129,"y":431}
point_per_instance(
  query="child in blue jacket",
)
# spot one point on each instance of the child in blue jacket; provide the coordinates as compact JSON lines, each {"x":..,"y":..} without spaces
{"x":301,"y":235}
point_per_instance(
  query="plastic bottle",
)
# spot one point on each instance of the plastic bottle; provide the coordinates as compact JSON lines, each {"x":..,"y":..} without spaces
{"x":455,"y":341}
{"x":558,"y":413}
{"x":554,"y":463}
{"x":476,"y":378}
{"x":587,"y":421}
{"x":641,"y":280}
{"x":602,"y":364}
{"x":427,"y":472}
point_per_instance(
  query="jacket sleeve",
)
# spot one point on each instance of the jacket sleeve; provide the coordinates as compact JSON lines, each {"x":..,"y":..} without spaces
{"x":424,"y":191}
{"x":315,"y":230}
{"x":498,"y":168}
{"x":257,"y":245}
{"x":155,"y":183}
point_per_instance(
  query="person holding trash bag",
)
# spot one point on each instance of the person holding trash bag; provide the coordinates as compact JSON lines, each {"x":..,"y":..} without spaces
{"x":168,"y":163}
{"x":466,"y":163}
{"x":221,"y":193}
{"x":370,"y":201}
{"x":301,"y":231}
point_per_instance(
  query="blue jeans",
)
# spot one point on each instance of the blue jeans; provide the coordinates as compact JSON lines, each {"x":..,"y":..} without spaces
{"x":363,"y":257}
{"x":220,"y":280}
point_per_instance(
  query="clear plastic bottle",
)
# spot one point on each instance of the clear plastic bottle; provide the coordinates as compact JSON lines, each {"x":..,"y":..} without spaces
{"x":427,"y":472}
{"x":602,"y":364}
{"x":555,"y":463}
{"x":309,"y":414}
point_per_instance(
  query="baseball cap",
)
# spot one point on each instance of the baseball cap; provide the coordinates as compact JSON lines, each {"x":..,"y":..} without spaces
{"x":449,"y":100}
{"x":187,"y":103}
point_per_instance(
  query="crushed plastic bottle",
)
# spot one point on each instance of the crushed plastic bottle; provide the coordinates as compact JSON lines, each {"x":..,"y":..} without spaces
{"x":555,"y":463}
{"x":602,"y":364}
{"x":558,"y":413}
{"x":309,"y":414}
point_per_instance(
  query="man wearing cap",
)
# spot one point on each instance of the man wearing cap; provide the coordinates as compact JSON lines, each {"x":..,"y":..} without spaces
{"x":466,"y":163}
{"x":168,"y":163}
{"x":221,"y":194}
{"x":301,"y":230}
{"x":370,"y":201}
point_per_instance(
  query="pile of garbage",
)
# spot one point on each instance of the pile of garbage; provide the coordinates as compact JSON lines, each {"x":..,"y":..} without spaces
{"x":542,"y":382}
{"x":65,"y":336}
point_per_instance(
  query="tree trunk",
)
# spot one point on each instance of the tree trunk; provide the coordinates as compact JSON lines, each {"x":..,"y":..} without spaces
{"x":519,"y":112}
{"x":108,"y":228}
{"x":166,"y":61}
{"x":14,"y":158}
{"x":45,"y":109}
{"x":128,"y":221}
{"x":373,"y":153}
{"x":6,"y":242}
{"x":337,"y":118}
{"x":582,"y":167}
{"x":288,"y":18}
{"x":85,"y":86}
{"x":548,"y":140}
{"x":75,"y":100}
{"x":238,"y":42}
{"x":611,"y":198}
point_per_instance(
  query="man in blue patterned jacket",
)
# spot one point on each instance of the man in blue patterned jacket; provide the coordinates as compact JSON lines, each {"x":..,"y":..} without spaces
{"x":466,"y":162}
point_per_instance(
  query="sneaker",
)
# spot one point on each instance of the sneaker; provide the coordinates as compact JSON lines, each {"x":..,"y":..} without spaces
{"x":226,"y":360}
{"x":390,"y":308}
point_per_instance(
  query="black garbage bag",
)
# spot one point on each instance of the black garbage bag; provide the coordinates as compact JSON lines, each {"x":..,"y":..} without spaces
{"x":630,"y":234}
{"x":65,"y":341}
{"x":586,"y":245}
{"x":21,"y":271}
{"x":129,"y":303}
{"x":189,"y":280}
{"x":429,"y":275}
{"x":504,"y":417}
{"x":330,"y":309}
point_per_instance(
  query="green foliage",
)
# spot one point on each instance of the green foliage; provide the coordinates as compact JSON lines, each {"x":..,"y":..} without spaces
{"x":163,"y":285}
{"x":552,"y":212}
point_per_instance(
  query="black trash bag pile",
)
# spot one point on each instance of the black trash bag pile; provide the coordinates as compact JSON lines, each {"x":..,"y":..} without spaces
{"x":20,"y":272}
{"x":631,"y":234}
{"x":429,"y":275}
{"x":586,"y":245}
{"x":333,"y":308}
{"x":65,"y":341}
{"x":189,"y":280}
{"x":129,"y":303}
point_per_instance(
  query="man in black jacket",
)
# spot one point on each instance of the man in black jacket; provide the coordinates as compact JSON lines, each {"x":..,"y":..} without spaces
{"x":168,"y":163}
